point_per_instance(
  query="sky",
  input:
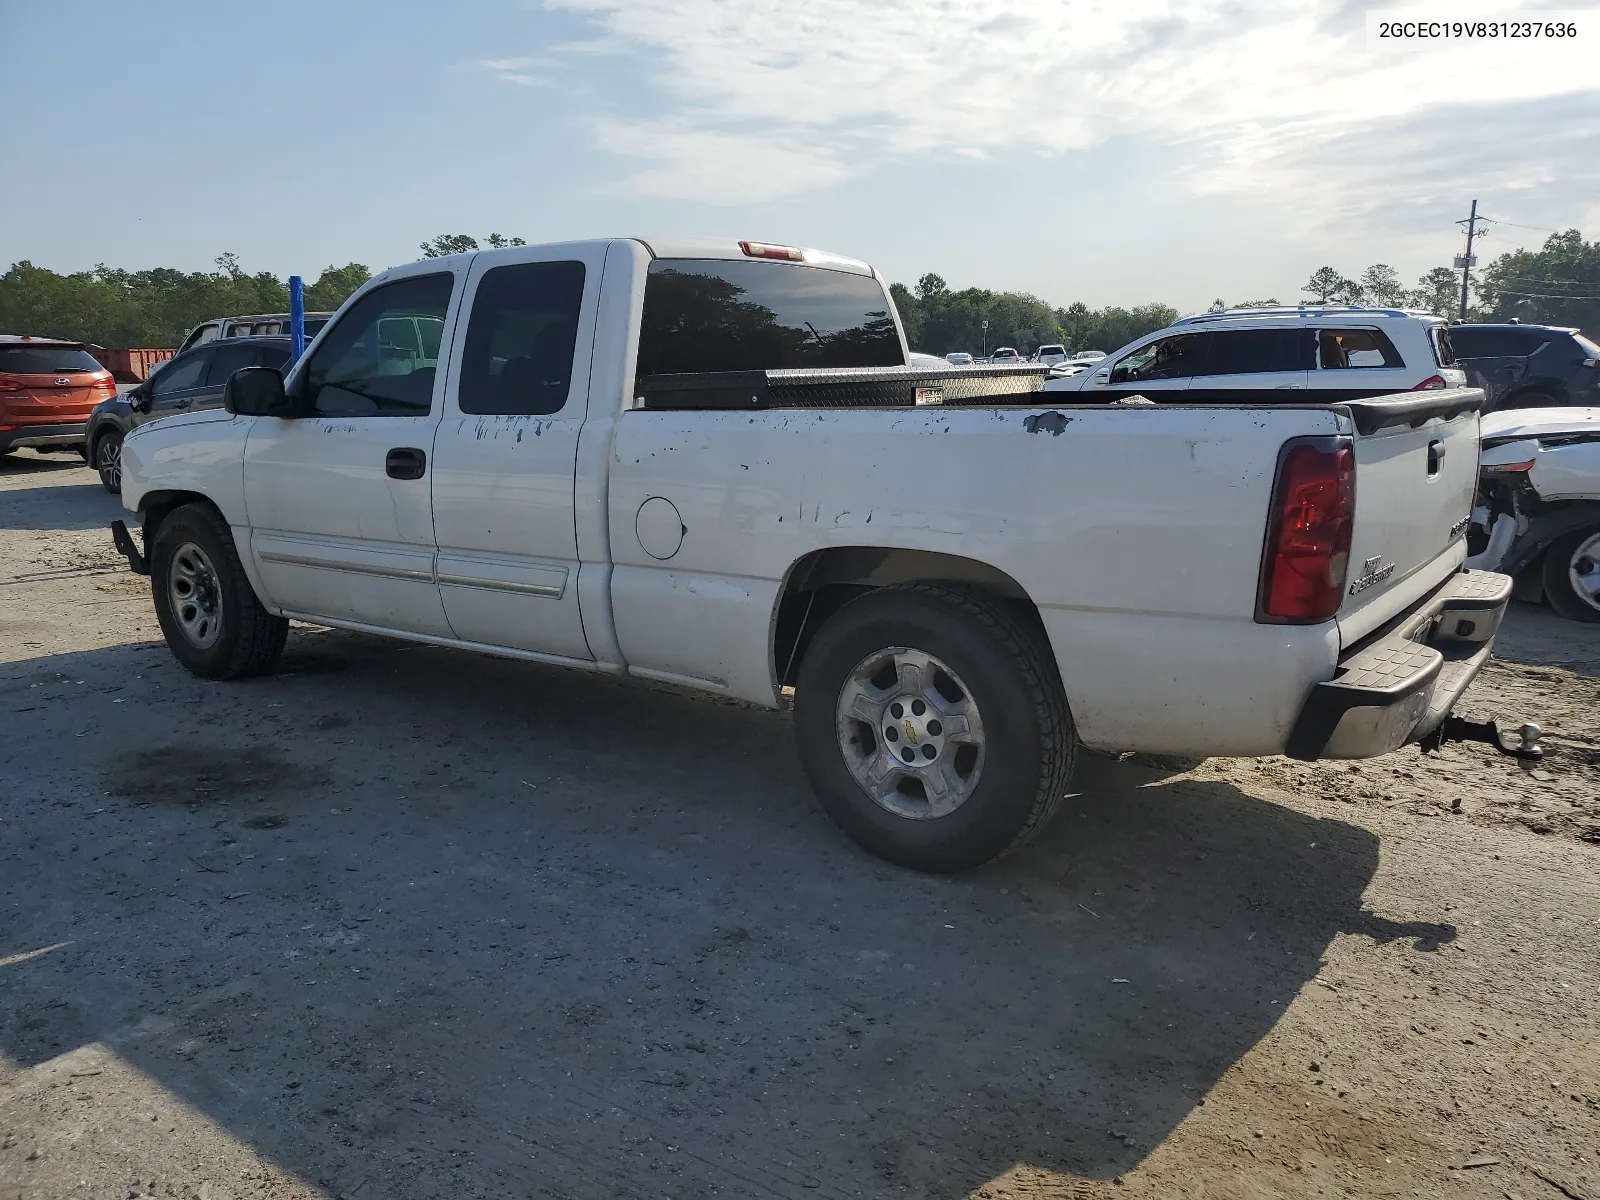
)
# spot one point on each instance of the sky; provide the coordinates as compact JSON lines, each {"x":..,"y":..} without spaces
{"x":1109,"y":151}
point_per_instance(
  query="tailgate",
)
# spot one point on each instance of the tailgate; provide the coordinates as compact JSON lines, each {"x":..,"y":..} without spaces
{"x":1416,"y":475}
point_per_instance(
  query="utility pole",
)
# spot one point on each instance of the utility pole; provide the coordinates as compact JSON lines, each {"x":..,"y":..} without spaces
{"x":1466,"y":262}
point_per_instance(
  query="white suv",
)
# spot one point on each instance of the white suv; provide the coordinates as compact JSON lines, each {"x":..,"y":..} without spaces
{"x":1328,"y":354}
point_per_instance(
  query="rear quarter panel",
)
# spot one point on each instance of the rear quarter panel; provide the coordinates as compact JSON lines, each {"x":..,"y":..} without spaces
{"x":1136,"y":532}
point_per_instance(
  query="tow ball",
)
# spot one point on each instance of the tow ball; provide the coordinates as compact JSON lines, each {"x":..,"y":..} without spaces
{"x":1521,"y":743}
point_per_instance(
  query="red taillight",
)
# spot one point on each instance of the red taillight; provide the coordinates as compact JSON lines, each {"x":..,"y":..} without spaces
{"x":1431,"y":383}
{"x":106,"y":384}
{"x":1308,"y":534}
{"x":768,"y":250}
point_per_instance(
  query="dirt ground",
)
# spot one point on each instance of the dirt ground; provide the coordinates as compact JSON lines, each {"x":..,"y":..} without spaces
{"x":400,"y":922}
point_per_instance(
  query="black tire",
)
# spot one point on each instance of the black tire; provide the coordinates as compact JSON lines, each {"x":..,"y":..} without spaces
{"x":1558,"y":589}
{"x":107,"y":461}
{"x":1030,"y":745}
{"x":246,"y":639}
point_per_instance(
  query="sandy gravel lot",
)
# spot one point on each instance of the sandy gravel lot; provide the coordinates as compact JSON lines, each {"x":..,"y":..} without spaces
{"x":400,"y":922}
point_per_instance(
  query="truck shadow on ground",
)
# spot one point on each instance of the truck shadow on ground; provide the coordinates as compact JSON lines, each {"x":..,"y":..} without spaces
{"x":454,"y":926}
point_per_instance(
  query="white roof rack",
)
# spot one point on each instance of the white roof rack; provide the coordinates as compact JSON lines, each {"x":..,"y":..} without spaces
{"x":1302,"y":310}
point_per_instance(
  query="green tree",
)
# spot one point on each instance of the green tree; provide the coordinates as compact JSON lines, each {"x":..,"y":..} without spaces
{"x":1330,"y":287}
{"x":448,"y":243}
{"x":334,"y":285}
{"x":1438,"y":292}
{"x":1381,"y":286}
{"x":910,"y":312}
{"x":459,"y":243}
{"x":1558,"y":284}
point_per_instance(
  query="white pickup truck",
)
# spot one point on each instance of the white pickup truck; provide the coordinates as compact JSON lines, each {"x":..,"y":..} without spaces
{"x":708,"y":462}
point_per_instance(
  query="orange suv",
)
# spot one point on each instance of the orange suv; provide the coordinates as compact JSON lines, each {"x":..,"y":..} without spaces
{"x":47,"y":390}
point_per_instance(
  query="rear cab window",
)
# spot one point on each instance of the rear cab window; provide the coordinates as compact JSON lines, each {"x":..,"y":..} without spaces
{"x":46,"y":360}
{"x":712,"y":315}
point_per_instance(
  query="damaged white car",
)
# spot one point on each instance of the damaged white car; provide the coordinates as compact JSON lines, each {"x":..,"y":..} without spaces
{"x":1538,"y":512}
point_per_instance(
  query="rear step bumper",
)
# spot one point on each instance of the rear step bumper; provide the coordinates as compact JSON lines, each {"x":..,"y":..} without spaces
{"x":1400,"y":688}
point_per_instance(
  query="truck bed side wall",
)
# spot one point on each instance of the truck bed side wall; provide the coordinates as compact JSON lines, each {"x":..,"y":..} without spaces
{"x":1136,"y":532}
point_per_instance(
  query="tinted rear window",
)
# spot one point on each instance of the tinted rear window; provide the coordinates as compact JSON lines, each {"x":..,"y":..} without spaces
{"x":729,"y":315}
{"x":1495,"y":343}
{"x":45,"y":360}
{"x":1252,"y":351}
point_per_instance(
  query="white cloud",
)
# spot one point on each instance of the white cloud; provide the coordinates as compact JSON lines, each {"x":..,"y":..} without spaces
{"x":693,"y":164}
{"x":838,"y":84}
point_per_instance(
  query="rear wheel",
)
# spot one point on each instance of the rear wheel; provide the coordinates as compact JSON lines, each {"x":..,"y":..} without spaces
{"x":108,"y":461}
{"x":932,"y":726}
{"x":1572,"y":575}
{"x":212,"y":620}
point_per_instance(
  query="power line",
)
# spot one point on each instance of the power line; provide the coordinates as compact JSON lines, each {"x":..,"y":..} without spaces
{"x":1514,"y":225}
{"x":1547,"y":295}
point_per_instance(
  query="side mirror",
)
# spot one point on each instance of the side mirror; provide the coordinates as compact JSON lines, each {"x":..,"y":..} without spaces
{"x":255,"y":392}
{"x":1119,"y":375}
{"x":139,"y":398}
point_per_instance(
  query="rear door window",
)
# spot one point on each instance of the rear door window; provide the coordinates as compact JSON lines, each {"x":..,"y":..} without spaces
{"x":1491,"y":343}
{"x":45,"y":360}
{"x":272,"y":356}
{"x":520,"y":340}
{"x":732,"y":315}
{"x":1253,"y":351}
{"x":226,"y":359}
{"x":1346,"y":349}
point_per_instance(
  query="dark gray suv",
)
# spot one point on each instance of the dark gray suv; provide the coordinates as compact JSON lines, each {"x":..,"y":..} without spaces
{"x":1529,"y":366}
{"x":190,"y":381}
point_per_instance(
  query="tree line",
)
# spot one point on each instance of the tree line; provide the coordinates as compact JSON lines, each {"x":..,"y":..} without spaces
{"x":1558,"y":284}
{"x":108,"y":306}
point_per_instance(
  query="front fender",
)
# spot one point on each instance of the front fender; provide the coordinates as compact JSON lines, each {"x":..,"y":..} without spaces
{"x":199,"y":453}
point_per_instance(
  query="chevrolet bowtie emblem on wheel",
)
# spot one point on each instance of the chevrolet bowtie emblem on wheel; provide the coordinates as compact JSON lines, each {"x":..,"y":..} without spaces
{"x":1373,"y":572}
{"x":911,"y":733}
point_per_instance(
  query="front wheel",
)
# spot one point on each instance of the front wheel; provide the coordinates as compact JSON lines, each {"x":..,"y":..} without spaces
{"x":108,"y":461}
{"x":932,"y":726}
{"x":209,"y":613}
{"x":1572,"y":575}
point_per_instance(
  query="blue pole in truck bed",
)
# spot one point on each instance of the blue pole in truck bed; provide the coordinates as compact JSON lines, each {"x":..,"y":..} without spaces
{"x":297,"y":317}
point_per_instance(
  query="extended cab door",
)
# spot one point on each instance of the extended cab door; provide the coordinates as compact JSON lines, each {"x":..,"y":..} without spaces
{"x":505,"y":454}
{"x":338,"y":494}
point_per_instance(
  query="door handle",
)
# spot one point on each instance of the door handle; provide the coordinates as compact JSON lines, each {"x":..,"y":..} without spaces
{"x":184,"y":402}
{"x":405,"y":462}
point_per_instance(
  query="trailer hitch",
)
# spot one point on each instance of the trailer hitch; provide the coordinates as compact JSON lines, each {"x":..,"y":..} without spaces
{"x":1521,"y":743}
